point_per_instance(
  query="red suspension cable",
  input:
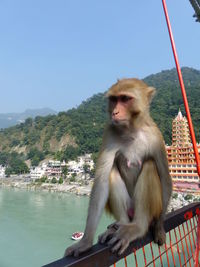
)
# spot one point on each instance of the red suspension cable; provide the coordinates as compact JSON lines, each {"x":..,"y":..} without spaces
{"x":182,"y":89}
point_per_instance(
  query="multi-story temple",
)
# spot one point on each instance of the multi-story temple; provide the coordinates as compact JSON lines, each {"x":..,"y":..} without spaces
{"x":181,"y":158}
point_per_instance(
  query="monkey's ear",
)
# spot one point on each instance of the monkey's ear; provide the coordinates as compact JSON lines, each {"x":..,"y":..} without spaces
{"x":150,"y":93}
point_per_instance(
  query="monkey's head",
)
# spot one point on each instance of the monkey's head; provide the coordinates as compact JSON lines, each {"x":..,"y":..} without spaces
{"x":128,"y":99}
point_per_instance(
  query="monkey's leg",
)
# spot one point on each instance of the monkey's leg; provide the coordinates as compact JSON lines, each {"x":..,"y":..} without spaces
{"x":119,"y":203}
{"x":157,"y":210}
{"x":147,"y":203}
{"x":166,"y":189}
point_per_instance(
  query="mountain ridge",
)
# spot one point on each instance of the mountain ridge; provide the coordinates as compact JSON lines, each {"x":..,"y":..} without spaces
{"x":9,"y":119}
{"x":79,"y":130}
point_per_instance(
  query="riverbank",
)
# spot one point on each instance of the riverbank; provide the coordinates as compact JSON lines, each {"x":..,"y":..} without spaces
{"x":178,"y":200}
{"x":65,"y":187}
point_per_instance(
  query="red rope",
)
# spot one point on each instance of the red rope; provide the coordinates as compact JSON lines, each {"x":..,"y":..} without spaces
{"x":125,"y":262}
{"x":182,"y":89}
{"x":187,"y":245}
{"x":183,"y":250}
{"x":145,"y":260}
{"x":160,"y":256}
{"x":166,"y":249}
{"x":177,"y":247}
{"x":190,"y":239}
{"x":136,"y":264}
{"x":197,"y":244}
{"x":171,"y":246}
{"x":192,"y":229}
{"x":153,"y":259}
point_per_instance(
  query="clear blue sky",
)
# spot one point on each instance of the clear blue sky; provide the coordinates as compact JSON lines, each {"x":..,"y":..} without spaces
{"x":58,"y":53}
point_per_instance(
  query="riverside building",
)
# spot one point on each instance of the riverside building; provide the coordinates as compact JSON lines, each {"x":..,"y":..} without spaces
{"x":2,"y":171}
{"x":181,"y":158}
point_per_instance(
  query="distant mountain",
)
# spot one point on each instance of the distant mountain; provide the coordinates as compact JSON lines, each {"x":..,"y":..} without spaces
{"x":79,"y":130}
{"x":11,"y":119}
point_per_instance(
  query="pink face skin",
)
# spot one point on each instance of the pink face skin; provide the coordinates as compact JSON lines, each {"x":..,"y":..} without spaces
{"x":120,"y":107}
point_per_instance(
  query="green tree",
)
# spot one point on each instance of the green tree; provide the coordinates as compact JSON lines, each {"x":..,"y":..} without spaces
{"x":43,"y":179}
{"x":175,"y":195}
{"x":73,"y":177}
{"x":188,"y":197}
{"x":86,"y":169}
{"x":70,"y":153}
{"x":35,"y":156}
{"x":4,"y":158}
{"x":54,"y":180}
{"x":60,"y":180}
{"x":8,"y":171}
{"x":64,"y":171}
{"x":28,"y":122}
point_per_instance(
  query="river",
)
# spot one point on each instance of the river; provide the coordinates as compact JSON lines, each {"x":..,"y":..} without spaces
{"x":36,"y":226}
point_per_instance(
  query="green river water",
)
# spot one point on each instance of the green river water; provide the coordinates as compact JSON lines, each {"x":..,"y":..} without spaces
{"x":36,"y":227}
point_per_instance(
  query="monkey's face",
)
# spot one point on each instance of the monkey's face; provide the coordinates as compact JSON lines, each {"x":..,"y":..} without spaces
{"x":127,"y":99}
{"x":119,"y":109}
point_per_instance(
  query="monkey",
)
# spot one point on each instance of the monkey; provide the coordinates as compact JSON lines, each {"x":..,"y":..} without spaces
{"x":132,"y":177}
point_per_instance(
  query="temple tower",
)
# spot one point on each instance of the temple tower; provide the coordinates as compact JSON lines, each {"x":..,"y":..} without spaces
{"x":180,"y":131}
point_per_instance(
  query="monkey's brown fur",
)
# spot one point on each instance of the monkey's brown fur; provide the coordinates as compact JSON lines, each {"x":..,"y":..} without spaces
{"x":144,"y":191}
{"x":132,"y":171}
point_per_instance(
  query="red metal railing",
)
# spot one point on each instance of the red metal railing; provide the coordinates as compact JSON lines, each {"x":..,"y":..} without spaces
{"x":181,"y":249}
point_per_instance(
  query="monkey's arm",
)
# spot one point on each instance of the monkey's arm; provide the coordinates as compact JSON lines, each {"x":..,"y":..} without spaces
{"x":97,"y":203}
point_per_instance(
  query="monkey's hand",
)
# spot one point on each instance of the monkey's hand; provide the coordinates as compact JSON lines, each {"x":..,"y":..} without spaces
{"x":80,"y":247}
{"x":123,"y":236}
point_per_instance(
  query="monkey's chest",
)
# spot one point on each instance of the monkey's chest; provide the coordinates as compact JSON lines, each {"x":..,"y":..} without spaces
{"x":130,"y":158}
{"x":129,"y":171}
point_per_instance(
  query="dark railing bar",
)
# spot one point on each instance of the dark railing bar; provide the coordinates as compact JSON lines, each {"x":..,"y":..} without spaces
{"x":101,"y":256}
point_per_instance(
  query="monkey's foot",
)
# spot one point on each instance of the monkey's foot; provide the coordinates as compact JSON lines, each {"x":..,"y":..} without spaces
{"x":114,"y":225}
{"x":108,"y":233}
{"x":74,"y":250}
{"x":159,"y":235}
{"x":122,"y":237}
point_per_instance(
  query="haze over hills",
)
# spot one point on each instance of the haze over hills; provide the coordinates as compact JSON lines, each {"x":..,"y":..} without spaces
{"x":11,"y":119}
{"x":79,"y":130}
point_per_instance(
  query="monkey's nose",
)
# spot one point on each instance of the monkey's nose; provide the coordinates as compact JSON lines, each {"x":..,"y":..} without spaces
{"x":115,"y":113}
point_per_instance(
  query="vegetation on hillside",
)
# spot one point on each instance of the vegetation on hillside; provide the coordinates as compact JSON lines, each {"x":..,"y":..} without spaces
{"x":168,"y":98}
{"x":14,"y":162}
{"x":78,"y":131}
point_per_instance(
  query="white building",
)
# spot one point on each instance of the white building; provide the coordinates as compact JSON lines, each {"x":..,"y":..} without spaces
{"x":2,"y":171}
{"x":38,"y":172}
{"x":86,"y":160}
{"x":74,"y":167}
{"x":54,"y":168}
{"x":77,"y":167}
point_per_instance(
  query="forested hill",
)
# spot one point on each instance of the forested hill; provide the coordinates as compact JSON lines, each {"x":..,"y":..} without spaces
{"x":169,"y":98}
{"x":79,"y":130}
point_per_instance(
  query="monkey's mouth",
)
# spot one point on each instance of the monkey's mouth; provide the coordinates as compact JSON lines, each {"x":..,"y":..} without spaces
{"x":119,"y":122}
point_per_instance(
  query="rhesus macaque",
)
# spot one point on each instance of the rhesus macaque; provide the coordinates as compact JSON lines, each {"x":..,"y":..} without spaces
{"x":132,"y":175}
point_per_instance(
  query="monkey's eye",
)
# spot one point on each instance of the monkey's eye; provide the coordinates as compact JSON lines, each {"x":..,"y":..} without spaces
{"x":125,"y":98}
{"x":113,"y":98}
